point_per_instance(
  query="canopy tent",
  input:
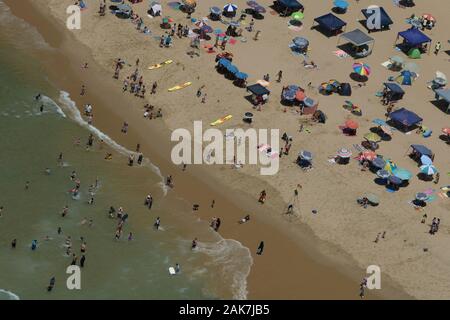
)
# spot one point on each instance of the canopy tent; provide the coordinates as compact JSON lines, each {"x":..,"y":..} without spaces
{"x":358,"y":39}
{"x":405,"y":117}
{"x":288,"y":6}
{"x":385,"y":20}
{"x":413,"y":37}
{"x":443,"y":94}
{"x":155,"y":9}
{"x":422,"y":150}
{"x":405,"y":78}
{"x":395,"y":91}
{"x":258,"y":89}
{"x":330,"y":23}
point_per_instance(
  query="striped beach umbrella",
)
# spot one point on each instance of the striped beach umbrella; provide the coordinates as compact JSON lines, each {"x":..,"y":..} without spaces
{"x":390,"y":166}
{"x":230,"y":7}
{"x":362,"y":69}
{"x":428,"y":169}
{"x":344,"y":153}
{"x":369,"y":155}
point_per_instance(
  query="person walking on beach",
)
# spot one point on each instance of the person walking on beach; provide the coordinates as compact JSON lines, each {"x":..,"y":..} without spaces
{"x":262,"y":197}
{"x":157,"y":223}
{"x":260,"y":249}
{"x":14,"y":243}
{"x":83,"y":90}
{"x":154,"y":86}
{"x":194,"y":244}
{"x":204,"y":98}
{"x":279,"y":76}
{"x":82,"y":261}
{"x":51,"y":284}
{"x":140,"y":158}
{"x":27,"y":185}
{"x":124,"y":127}
{"x":437,"y":48}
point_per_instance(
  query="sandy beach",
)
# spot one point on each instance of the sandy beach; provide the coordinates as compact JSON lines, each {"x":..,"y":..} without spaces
{"x":307,"y":255}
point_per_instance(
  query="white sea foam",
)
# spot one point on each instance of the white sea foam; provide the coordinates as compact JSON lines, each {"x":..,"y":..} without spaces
{"x":235,"y":262}
{"x":73,"y":113}
{"x":10,"y":295}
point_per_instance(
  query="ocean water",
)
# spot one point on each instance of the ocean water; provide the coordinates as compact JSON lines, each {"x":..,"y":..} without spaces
{"x":30,"y":142}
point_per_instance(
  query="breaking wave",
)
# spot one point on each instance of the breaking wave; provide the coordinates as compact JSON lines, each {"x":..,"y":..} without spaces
{"x":8,"y":294}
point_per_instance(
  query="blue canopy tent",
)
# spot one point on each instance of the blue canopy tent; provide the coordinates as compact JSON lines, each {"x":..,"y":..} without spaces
{"x":413,"y":38}
{"x":330,"y":23}
{"x":405,"y":118}
{"x":445,"y":95}
{"x":422,"y":150}
{"x":395,"y":92}
{"x":260,"y":94}
{"x":385,"y":20}
{"x":286,"y":7}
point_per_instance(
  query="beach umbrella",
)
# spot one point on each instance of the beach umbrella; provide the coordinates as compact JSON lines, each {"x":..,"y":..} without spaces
{"x":232,"y":68}
{"x":379,"y":163}
{"x":260,"y":9}
{"x":372,"y":198}
{"x":386,"y":129}
{"x":369,"y":155}
{"x":440,"y":78}
{"x":379,"y":122}
{"x":124,"y":7}
{"x":411,"y":66}
{"x":342,"y":4}
{"x":361,"y":68}
{"x":397,"y":60}
{"x":300,"y":95}
{"x":334,"y":83}
{"x":383,"y":174}
{"x":252,"y":4}
{"x":405,"y":78}
{"x":241,"y":75}
{"x":300,"y":42}
{"x":190,"y":3}
{"x":395,"y":180}
{"x":306,"y":155}
{"x":234,"y":24}
{"x":308,"y":102}
{"x":351,"y":124}
{"x":215,"y":10}
{"x":326,"y":87}
{"x":230,"y":7}
{"x":446,"y":131}
{"x":429,"y":17}
{"x":425,"y":159}
{"x":421,"y":196}
{"x":292,"y":87}
{"x":224,"y":62}
{"x":218,"y":31}
{"x":428,"y":169}
{"x":297,"y":16}
{"x":289,"y":95}
{"x":402,"y":173}
{"x":372,"y":137}
{"x":414,"y":53}
{"x":344,"y":153}
{"x":390,"y":166}
{"x":206,"y":29}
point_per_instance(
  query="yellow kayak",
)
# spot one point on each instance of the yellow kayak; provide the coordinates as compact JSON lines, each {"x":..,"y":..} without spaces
{"x":181,"y":86}
{"x":159,"y":65}
{"x":221,"y":120}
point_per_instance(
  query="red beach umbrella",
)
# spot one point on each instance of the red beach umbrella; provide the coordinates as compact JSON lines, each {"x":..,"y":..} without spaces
{"x":351,"y":124}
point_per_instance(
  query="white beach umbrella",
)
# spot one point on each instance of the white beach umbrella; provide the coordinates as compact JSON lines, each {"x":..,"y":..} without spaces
{"x":230,"y":7}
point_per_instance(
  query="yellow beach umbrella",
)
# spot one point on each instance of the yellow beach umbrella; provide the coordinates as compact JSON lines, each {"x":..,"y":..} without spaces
{"x":372,"y":137}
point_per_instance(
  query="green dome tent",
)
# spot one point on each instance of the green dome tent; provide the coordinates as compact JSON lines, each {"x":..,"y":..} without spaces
{"x":414,"y":54}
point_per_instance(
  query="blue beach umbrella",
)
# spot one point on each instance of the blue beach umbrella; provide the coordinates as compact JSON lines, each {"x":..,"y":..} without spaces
{"x":241,"y":75}
{"x":233,"y":69}
{"x":260,"y":9}
{"x":379,"y":163}
{"x":206,"y":29}
{"x":289,"y":95}
{"x":306,"y":155}
{"x":215,"y":10}
{"x":342,"y":4}
{"x":292,"y":87}
{"x":402,"y":174}
{"x":379,"y":122}
{"x":300,"y":42}
{"x":426,"y":160}
{"x":224,"y":62}
{"x":218,"y":31}
{"x":309,"y":102}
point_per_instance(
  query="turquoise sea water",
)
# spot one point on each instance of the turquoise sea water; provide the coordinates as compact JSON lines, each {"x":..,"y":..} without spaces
{"x":30,"y":142}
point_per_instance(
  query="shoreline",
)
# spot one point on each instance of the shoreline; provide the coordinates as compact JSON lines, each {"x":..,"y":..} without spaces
{"x":315,"y":270}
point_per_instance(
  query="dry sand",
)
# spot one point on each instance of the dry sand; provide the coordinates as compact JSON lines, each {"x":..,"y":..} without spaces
{"x":346,"y":229}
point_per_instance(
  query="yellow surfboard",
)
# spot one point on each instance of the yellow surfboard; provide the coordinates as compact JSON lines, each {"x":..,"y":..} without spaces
{"x":181,"y":86}
{"x":159,"y":65}
{"x":221,"y":120}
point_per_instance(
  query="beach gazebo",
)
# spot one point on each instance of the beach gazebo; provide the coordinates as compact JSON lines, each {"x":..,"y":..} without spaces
{"x":329,"y":23}
{"x":362,"y":44}
{"x":385,"y":20}
{"x":444,"y":95}
{"x":287,"y":7}
{"x":413,"y":39}
{"x":259,"y":93}
{"x":405,"y":119}
{"x":394,"y":92}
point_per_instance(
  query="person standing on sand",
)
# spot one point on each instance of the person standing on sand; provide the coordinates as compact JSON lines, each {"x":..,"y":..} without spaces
{"x":262,"y":196}
{"x":437,"y":48}
{"x":1,"y":209}
{"x":279,"y":76}
{"x":27,"y":185}
{"x":204,"y":98}
{"x":194,"y":244}
{"x":154,"y":86}
{"x":14,"y":243}
{"x":82,"y":261}
{"x":51,"y":284}
{"x":260,"y":249}
{"x":157,"y":223}
{"x":83,"y":90}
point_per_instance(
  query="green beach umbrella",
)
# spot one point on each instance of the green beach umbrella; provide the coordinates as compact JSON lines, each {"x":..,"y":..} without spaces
{"x":414,"y":53}
{"x":297,"y":16}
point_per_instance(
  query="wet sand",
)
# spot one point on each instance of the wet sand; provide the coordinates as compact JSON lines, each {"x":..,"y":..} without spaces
{"x":293,"y":265}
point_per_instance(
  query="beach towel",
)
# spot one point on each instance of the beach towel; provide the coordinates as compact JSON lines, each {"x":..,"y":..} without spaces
{"x":387,"y":64}
{"x":340,"y":54}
